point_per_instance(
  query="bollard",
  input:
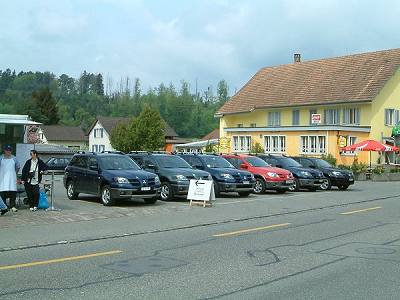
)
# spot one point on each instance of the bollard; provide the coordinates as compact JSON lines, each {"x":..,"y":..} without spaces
{"x":51,"y":207}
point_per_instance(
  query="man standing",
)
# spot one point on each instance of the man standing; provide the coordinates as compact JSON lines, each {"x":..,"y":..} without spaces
{"x":9,"y":167}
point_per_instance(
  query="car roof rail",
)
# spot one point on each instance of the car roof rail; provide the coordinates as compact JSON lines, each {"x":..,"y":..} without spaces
{"x":113,"y":152}
{"x":137,"y":152}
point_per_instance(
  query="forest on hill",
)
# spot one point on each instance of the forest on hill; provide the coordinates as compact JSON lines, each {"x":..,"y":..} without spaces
{"x":52,"y":99}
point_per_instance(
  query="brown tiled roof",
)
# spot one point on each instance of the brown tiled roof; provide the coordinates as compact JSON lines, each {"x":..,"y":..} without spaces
{"x":63,"y":133}
{"x":212,"y":135}
{"x":353,"y":78}
{"x":109,"y":123}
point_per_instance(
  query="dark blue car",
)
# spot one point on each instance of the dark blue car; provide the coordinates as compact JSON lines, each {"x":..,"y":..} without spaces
{"x":111,"y":176}
{"x":225,"y":176}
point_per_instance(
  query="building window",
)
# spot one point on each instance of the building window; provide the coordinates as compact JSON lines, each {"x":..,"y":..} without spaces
{"x":241,"y":143}
{"x":312,"y":112}
{"x":95,"y":148}
{"x":240,"y":125}
{"x":253,"y":125}
{"x":274,"y":118}
{"x":351,"y":116}
{"x":391,"y":116}
{"x":332,"y":116}
{"x":351,"y":140}
{"x":275,"y":143}
{"x":98,"y":132}
{"x":296,"y":117}
{"x":313,"y":144}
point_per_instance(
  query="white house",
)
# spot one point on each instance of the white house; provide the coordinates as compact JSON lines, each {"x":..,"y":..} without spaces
{"x":71,"y":137}
{"x":99,"y":133}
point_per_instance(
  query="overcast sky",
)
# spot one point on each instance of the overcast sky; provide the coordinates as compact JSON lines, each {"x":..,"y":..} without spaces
{"x":167,"y":41}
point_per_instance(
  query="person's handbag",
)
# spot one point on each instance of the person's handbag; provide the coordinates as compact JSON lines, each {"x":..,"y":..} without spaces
{"x":43,"y":202}
{"x":3,"y":206}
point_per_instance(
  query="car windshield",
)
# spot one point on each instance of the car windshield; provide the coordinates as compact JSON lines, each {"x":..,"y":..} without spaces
{"x":171,"y":161}
{"x":288,"y":162}
{"x":323,"y":163}
{"x":217,"y":162}
{"x":257,"y":162}
{"x":118,"y":163}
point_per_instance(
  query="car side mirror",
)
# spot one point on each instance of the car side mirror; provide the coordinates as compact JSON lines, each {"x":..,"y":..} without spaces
{"x":278,"y":166}
{"x":151,"y":166}
{"x":200,"y":167}
{"x":313,"y":167}
{"x":244,"y":166}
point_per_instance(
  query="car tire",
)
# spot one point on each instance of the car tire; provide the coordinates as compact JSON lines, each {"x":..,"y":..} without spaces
{"x":296,"y":186}
{"x":217,"y":193}
{"x":281,"y":191}
{"x":166,"y":193}
{"x":327,"y":185}
{"x":151,"y":200}
{"x":243,"y":194}
{"x":106,"y":197}
{"x":343,"y":187}
{"x":71,"y":193}
{"x":259,"y":186}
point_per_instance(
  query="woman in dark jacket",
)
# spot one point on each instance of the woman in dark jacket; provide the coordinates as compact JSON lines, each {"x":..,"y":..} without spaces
{"x":32,"y":177}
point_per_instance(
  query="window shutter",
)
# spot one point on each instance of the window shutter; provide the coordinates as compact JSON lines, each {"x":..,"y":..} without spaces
{"x":386,"y":116}
{"x":357,"y":112}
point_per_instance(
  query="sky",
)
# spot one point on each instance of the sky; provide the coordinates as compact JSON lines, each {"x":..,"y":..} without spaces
{"x":201,"y":41}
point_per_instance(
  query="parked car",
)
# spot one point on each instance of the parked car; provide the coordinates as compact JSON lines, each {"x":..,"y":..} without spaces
{"x":111,"y":176}
{"x":267,"y":177}
{"x":334,"y":176}
{"x":304,"y":178}
{"x":174,"y":172}
{"x":58,"y":163}
{"x":226,"y":177}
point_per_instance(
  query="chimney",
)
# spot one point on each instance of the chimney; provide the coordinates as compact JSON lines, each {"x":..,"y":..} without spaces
{"x":297,"y":57}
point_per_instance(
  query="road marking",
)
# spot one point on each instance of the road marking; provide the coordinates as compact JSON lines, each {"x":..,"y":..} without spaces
{"x":360,"y":210}
{"x":58,"y":260}
{"x":251,"y":230}
{"x":259,"y":199}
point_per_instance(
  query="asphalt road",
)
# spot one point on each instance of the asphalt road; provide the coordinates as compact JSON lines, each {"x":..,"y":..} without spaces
{"x":322,"y":245}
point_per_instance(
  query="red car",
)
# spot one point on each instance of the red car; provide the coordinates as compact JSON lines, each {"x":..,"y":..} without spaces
{"x":267,"y":177}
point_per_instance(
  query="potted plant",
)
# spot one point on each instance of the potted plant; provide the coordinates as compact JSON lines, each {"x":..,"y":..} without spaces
{"x":378,"y":174}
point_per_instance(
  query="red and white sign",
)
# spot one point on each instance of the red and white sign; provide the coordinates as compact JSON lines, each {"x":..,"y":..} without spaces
{"x":315,"y":118}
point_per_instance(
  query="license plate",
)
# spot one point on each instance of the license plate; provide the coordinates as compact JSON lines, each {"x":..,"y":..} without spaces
{"x":146,"y":188}
{"x":246,"y":182}
{"x":289,"y":181}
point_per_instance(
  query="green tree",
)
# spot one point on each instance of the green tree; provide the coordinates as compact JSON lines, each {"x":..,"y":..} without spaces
{"x":150,"y":130}
{"x":123,"y":137}
{"x":222,"y":92}
{"x":45,"y":107}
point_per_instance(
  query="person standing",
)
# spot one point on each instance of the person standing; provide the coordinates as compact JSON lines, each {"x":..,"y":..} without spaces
{"x":31,"y":178}
{"x":9,"y":167}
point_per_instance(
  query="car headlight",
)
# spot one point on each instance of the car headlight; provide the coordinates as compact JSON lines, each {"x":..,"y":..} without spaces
{"x":336,"y":173}
{"x":305,"y":173}
{"x":157,"y":180}
{"x":181,"y":177}
{"x":226,"y":176}
{"x":272,"y":174}
{"x":121,"y":180}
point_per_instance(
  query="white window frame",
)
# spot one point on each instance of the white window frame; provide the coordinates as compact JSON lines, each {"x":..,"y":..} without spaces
{"x":313,"y":144}
{"x":350,"y":140}
{"x":241,"y":143}
{"x":95,"y":148}
{"x":351,"y":115}
{"x":332,"y":116}
{"x":392,"y":116}
{"x":296,"y":113}
{"x":274,"y":118}
{"x":275,"y":143}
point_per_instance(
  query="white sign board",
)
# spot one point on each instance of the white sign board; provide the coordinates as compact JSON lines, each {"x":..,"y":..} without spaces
{"x":201,"y":190}
{"x":315,"y":118}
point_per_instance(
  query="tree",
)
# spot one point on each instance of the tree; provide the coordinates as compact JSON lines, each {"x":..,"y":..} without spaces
{"x":144,"y":133}
{"x":222,"y":92}
{"x":46,"y":106}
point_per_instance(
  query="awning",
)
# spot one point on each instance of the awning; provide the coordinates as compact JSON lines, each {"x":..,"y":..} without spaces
{"x":17,"y":120}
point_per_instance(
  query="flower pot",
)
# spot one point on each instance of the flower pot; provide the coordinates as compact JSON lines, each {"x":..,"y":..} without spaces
{"x":360,"y":176}
{"x":380,"y":177}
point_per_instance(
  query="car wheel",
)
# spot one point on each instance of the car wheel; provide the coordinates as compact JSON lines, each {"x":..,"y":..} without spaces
{"x":166,"y":193}
{"x":281,"y":191}
{"x":106,"y":197}
{"x":243,"y":194}
{"x":259,"y":186}
{"x":326,"y":185}
{"x":296,"y":186}
{"x":72,"y":195}
{"x":217,"y":193}
{"x":343,"y":187}
{"x":150,"y":200}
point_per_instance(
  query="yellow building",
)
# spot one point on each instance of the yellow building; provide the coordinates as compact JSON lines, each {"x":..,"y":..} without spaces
{"x":314,"y":108}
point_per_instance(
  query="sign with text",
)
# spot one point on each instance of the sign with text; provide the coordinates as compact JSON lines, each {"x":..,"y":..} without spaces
{"x":201,"y":190}
{"x":315,"y":118}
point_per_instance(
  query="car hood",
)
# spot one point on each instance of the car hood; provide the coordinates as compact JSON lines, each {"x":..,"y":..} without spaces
{"x":231,"y":171}
{"x":315,"y":173}
{"x":129,"y":173}
{"x":272,"y":169}
{"x":326,"y":170}
{"x":186,"y":172}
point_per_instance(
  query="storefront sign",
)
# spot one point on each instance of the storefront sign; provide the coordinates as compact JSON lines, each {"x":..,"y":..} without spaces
{"x":315,"y":118}
{"x":342,"y":141}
